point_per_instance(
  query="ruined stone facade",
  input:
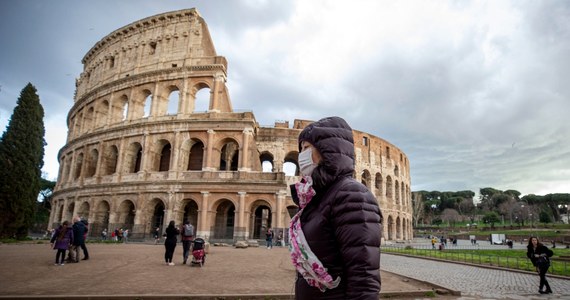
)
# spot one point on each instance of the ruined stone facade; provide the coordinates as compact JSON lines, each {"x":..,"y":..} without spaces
{"x":140,"y":154}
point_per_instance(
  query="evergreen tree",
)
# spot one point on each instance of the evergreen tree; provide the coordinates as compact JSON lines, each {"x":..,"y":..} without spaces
{"x":21,"y":161}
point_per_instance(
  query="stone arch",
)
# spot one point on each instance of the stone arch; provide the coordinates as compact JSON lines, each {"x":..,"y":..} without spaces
{"x":173,"y":106}
{"x":390,"y":228}
{"x":224,"y":219}
{"x":101,"y":217}
{"x":143,"y":104}
{"x":119,"y":109}
{"x":366,"y":178}
{"x":291,"y":163}
{"x":266,"y":159}
{"x":126,"y":214}
{"x":88,"y":119}
{"x":229,"y":155}
{"x":92,"y":163}
{"x":190,"y":212}
{"x":261,"y":218}
{"x":398,"y":228}
{"x":155,"y":210}
{"x":161,"y":156}
{"x":192,"y":154}
{"x":66,"y":168}
{"x":78,"y":122}
{"x":396,"y":171}
{"x":110,"y":160}
{"x":201,"y":97}
{"x":102,"y":113}
{"x":133,"y":158}
{"x":389,"y":187}
{"x":83,"y":210}
{"x":378,"y":184}
{"x":78,"y":166}
{"x":397,"y":192}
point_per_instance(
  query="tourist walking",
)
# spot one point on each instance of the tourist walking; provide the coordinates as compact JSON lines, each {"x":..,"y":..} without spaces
{"x":79,"y":234}
{"x":170,"y":242}
{"x":335,"y":237}
{"x":157,"y":235}
{"x":269,"y":235}
{"x":104,"y":234}
{"x":187,"y":236}
{"x":540,"y":255}
{"x":126,"y":235}
{"x":60,"y":241}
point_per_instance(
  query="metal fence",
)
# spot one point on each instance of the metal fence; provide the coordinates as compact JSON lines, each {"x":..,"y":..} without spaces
{"x":557,"y":266}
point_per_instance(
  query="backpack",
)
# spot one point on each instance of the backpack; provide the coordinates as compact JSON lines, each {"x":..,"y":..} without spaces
{"x":188,"y":230}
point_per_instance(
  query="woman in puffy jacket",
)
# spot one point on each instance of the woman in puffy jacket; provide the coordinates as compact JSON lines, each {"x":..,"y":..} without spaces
{"x":335,"y":236}
{"x":61,"y":241}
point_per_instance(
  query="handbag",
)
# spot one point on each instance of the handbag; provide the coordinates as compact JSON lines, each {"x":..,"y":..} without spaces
{"x":543,"y":262}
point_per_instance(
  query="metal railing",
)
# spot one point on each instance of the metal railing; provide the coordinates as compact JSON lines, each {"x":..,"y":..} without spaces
{"x":557,"y":266}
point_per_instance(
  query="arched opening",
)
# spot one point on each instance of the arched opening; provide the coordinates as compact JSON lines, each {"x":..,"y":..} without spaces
{"x":120,"y":109}
{"x":291,"y":164}
{"x":88,"y":120}
{"x":196,"y":156}
{"x":78,"y":121}
{"x":389,"y":187}
{"x":125,"y":111}
{"x":133,"y":158}
{"x":78,"y":166}
{"x":266,"y":159}
{"x":261,"y":214}
{"x":398,"y":229}
{"x":378,"y":184}
{"x":83,"y":211}
{"x":164,"y":164}
{"x":127,"y":214}
{"x":390,"y":228}
{"x":202,"y":99}
{"x":92,"y":163}
{"x":396,"y":171}
{"x":102,"y":113}
{"x":397,"y":192}
{"x":173,"y":102}
{"x":229,"y":156}
{"x":191,"y":213}
{"x":224,"y":221}
{"x":157,"y":219}
{"x":110,"y":160}
{"x":147,"y":105}
{"x":366,"y":178}
{"x":101,"y":221}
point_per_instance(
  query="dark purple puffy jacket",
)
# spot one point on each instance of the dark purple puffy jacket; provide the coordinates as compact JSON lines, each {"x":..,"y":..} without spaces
{"x":342,"y":223}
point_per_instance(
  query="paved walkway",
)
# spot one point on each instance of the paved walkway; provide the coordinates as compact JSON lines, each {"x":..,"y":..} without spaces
{"x":474,"y":282}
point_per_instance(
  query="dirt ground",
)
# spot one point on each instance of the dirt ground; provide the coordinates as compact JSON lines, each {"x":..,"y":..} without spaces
{"x":138,"y":269}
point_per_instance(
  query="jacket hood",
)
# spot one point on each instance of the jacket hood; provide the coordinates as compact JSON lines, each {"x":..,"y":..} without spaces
{"x":332,"y":137}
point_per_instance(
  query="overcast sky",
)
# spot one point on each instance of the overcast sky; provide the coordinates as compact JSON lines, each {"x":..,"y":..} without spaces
{"x":477,"y":94}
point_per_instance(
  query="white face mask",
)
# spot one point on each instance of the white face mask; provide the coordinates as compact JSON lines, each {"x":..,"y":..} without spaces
{"x":306,"y":164}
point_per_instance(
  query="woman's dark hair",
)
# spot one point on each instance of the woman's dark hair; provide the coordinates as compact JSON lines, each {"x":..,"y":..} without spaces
{"x":171,"y":224}
{"x":538,"y":243}
{"x":62,"y":230}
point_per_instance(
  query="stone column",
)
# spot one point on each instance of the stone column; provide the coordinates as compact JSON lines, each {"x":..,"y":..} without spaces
{"x":216,"y":92}
{"x":203,"y":230}
{"x":240,"y":231}
{"x":146,"y":155}
{"x":279,"y":209}
{"x":209,"y":149}
{"x":175,"y":154}
{"x":247,"y":132}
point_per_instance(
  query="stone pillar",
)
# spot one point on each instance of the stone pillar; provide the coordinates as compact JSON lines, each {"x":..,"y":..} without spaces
{"x":175,"y":154}
{"x":216,"y":93}
{"x":247,"y":132}
{"x":146,"y":158}
{"x":279,"y":209}
{"x":240,"y":230}
{"x":209,"y":149}
{"x":156,"y":102}
{"x":203,"y":229}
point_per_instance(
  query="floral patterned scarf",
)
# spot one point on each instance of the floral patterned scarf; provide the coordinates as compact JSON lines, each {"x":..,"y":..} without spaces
{"x":304,"y":260}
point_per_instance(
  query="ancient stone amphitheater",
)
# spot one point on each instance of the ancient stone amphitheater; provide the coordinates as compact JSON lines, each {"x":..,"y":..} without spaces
{"x":140,"y":152}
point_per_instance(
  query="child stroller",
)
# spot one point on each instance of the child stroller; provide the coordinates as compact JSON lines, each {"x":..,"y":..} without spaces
{"x":198,"y":253}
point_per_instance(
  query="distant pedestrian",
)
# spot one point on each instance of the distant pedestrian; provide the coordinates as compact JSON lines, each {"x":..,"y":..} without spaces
{"x":126,"y":235}
{"x":269,"y":238}
{"x":540,"y":255}
{"x":104,"y":234}
{"x":157,"y":235}
{"x":61,"y":241}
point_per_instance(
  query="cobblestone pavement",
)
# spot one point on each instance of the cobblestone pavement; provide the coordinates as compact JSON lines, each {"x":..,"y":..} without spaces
{"x":474,"y":282}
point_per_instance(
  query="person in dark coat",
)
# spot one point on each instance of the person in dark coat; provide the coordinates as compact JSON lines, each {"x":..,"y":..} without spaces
{"x":79,"y":233}
{"x":60,"y":240}
{"x":540,"y":255}
{"x":335,"y":237}
{"x":170,"y":242}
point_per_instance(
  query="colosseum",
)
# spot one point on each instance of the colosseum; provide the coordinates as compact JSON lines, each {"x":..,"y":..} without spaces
{"x":152,"y":138}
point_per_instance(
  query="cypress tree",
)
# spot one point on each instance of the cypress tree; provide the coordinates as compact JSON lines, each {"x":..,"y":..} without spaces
{"x":21,"y":160}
